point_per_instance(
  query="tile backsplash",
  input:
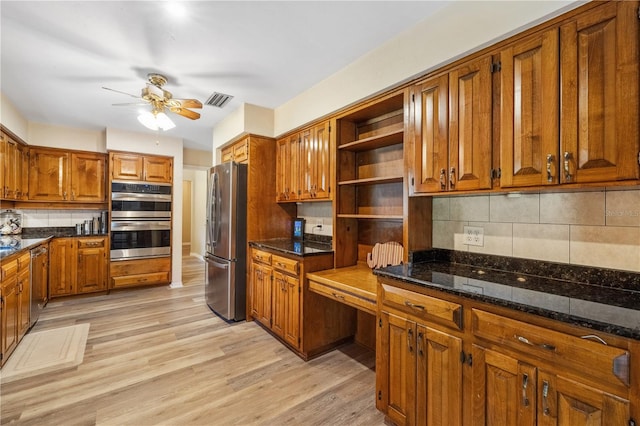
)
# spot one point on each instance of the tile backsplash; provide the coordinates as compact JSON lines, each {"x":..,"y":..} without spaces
{"x":598,"y":228}
{"x":318,"y":218}
{"x":55,"y":218}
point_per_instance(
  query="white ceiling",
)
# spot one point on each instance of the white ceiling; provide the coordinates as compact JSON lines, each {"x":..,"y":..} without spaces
{"x":56,"y":55}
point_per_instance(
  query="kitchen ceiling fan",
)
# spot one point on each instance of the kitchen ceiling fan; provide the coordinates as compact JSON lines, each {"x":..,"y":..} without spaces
{"x":161,"y":99}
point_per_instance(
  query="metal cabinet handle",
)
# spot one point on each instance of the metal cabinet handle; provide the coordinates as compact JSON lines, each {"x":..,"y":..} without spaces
{"x":567,"y":172}
{"x":410,"y":340}
{"x":545,"y":395}
{"x":525,"y":382}
{"x":594,"y":337}
{"x":64,"y":195}
{"x":337,"y":296}
{"x":414,"y":306}
{"x":420,"y":349}
{"x":73,"y":195}
{"x":443,"y":183}
{"x":526,"y":341}
{"x":452,"y":177}
{"x":549,"y":163}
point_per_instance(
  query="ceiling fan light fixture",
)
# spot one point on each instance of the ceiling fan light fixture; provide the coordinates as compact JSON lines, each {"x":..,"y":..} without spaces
{"x":156,"y":120}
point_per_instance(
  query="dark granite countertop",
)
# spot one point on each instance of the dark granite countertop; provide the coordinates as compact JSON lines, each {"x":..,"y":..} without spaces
{"x":297,"y":248}
{"x":59,"y":231}
{"x":14,"y":244}
{"x":567,"y":293}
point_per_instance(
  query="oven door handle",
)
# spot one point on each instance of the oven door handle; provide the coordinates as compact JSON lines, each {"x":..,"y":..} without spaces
{"x":132,"y":196}
{"x":140,"y":226}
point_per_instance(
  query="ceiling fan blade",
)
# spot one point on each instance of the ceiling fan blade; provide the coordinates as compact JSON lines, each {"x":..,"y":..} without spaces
{"x":124,"y":93}
{"x":131,"y":104}
{"x":185,"y":113}
{"x":188,"y":103}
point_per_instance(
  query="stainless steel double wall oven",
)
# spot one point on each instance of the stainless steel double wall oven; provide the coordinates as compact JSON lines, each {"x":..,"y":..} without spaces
{"x":140,"y":220}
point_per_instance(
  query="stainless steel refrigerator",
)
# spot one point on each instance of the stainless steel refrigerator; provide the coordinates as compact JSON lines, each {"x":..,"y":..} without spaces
{"x":226,"y":258}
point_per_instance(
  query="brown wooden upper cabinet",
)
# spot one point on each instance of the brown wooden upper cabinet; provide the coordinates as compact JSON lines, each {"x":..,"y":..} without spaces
{"x":238,"y":152}
{"x":62,"y":175}
{"x":303,"y":165}
{"x":569,"y":114}
{"x":14,"y":181}
{"x":138,"y":167}
{"x":288,"y":160}
{"x":452,"y":130}
{"x":599,"y":81}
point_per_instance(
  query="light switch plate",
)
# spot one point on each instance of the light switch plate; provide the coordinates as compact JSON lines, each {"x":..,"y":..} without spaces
{"x":474,"y":235}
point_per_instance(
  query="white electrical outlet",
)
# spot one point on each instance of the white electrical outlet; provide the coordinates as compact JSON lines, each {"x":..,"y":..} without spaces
{"x":474,"y":235}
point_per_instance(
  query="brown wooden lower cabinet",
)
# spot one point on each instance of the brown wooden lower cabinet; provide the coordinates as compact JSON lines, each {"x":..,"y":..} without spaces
{"x":281,"y":301}
{"x":10,"y":308}
{"x":446,"y":360}
{"x":140,"y":272}
{"x":78,"y":265}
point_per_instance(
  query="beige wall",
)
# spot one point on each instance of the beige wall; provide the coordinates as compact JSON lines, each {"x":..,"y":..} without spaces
{"x":198,"y":180}
{"x":11,"y":118}
{"x":430,"y":44}
{"x":596,"y":228}
{"x":247,"y":118}
{"x":66,"y":137}
{"x":196,"y":158}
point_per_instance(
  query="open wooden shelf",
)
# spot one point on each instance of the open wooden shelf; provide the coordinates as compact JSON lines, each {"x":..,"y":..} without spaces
{"x":390,"y":138}
{"x":371,"y":216}
{"x":373,"y":180}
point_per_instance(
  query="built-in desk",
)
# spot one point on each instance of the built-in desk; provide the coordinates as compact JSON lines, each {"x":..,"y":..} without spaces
{"x":353,"y":285}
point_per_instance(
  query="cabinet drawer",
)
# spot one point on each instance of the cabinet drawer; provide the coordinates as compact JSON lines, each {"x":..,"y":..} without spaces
{"x":24,"y":260}
{"x":601,"y":361}
{"x":8,"y":269}
{"x":140,"y":279}
{"x":90,"y":243}
{"x":423,"y":306}
{"x":261,"y":256}
{"x":285,"y":264}
{"x":343,"y":296}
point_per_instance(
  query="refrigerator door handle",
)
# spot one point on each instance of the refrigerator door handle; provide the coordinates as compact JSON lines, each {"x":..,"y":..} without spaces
{"x":218,"y":264}
{"x":216,"y":201}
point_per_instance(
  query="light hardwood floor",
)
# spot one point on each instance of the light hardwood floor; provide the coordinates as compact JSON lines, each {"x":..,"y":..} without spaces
{"x":159,"y":356}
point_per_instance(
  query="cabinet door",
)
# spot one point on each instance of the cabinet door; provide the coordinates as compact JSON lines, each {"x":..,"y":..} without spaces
{"x":3,"y":163}
{"x":11,"y":171}
{"x":288,"y":168}
{"x":88,"y":177}
{"x":23,"y":174}
{"x":279,"y":303}
{"x":10,"y":309}
{"x":126,"y":166}
{"x":438,"y":378}
{"x":261,"y":293}
{"x":431,"y":136}
{"x":62,"y":267}
{"x":24,"y":301}
{"x":291,"y":331}
{"x":241,"y":152}
{"x":564,"y":402}
{"x":49,"y":175}
{"x":227,"y":154}
{"x":158,"y":169}
{"x":470,"y":125}
{"x":529,"y":111}
{"x":92,"y":265}
{"x":396,"y":368}
{"x":316,"y":158}
{"x":504,"y":390}
{"x":599,"y":86}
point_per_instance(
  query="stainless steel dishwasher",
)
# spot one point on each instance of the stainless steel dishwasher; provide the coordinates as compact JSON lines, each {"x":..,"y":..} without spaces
{"x":39,"y":281}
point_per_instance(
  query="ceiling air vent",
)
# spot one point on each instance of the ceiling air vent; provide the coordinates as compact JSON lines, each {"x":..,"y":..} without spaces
{"x":218,"y":99}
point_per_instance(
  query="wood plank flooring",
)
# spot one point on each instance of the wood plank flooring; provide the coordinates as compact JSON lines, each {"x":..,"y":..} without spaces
{"x":158,"y":356}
